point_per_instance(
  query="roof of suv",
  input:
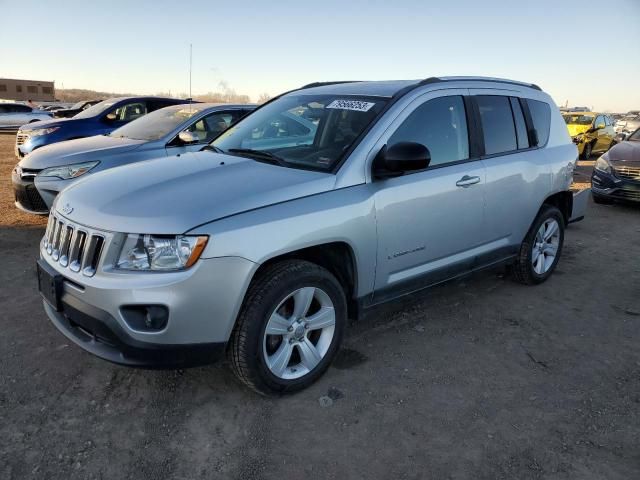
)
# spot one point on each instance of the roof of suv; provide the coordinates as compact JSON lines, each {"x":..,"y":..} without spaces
{"x":389,"y":88}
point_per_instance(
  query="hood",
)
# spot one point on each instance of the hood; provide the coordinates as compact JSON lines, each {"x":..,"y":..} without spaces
{"x":79,"y":150}
{"x":577,"y":129}
{"x":56,"y":122}
{"x":625,"y":154}
{"x":173,"y":195}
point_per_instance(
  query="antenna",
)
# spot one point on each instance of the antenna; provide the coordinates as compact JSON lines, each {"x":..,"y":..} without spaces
{"x":190,"y":67}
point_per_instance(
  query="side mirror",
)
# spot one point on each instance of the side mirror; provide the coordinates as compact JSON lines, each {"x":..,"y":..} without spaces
{"x":621,"y":137}
{"x":401,"y":158}
{"x":111,"y":117}
{"x":188,"y":137}
{"x":600,"y":126}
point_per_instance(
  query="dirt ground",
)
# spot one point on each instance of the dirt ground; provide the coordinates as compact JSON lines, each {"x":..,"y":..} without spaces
{"x":477,"y":379}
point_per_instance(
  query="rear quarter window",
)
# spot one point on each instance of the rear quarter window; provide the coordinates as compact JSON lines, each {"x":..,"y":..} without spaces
{"x":541,"y":117}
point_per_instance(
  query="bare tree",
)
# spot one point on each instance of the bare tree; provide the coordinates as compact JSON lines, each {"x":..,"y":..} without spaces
{"x":264,"y":98}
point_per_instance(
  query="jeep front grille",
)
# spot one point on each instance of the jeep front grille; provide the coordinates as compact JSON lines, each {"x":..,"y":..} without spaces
{"x":72,"y":246}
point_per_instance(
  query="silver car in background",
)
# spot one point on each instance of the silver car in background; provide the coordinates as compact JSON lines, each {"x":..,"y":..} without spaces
{"x":626,"y":125}
{"x":14,"y":115}
{"x":262,"y":245}
{"x":163,"y":133}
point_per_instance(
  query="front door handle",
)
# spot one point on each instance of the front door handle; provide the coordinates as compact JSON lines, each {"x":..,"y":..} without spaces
{"x":467,"y":181}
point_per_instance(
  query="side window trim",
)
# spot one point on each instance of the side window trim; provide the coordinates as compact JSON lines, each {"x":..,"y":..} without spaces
{"x":531,"y":131}
{"x":474,"y":127}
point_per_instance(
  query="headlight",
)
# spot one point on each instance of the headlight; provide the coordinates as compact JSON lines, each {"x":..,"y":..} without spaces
{"x":41,"y":131}
{"x":68,"y":171}
{"x":603,"y":165}
{"x":160,"y":252}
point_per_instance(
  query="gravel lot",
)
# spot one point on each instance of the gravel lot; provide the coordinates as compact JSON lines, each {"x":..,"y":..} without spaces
{"x":477,"y":379}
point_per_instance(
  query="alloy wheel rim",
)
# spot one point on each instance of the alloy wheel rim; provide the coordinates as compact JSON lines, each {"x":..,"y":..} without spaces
{"x":545,"y":247}
{"x":298,"y":333}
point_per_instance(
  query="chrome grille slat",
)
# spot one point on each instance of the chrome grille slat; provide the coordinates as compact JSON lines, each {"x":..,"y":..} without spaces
{"x":92,"y":255}
{"x":627,"y":173}
{"x":65,"y":244}
{"x":55,"y":254}
{"x":77,"y":250}
{"x":21,"y":138}
{"x":72,"y":246}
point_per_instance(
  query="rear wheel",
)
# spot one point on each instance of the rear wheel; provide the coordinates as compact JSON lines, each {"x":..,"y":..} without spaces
{"x":289,"y":328}
{"x":541,"y":248}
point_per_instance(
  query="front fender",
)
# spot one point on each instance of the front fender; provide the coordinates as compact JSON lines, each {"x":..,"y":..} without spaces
{"x":346,"y":215}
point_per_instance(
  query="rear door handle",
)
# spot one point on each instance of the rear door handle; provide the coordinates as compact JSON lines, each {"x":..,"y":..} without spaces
{"x":467,"y":181}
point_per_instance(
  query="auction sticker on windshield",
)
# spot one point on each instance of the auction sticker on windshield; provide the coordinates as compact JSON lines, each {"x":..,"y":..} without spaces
{"x":356,"y":105}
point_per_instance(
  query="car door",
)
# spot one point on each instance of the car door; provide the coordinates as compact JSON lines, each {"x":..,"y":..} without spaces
{"x":602,"y":136}
{"x":206,"y":128}
{"x":514,"y":176}
{"x":21,"y":114}
{"x":429,"y":223}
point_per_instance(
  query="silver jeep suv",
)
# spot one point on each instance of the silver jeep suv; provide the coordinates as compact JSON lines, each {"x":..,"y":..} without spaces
{"x":322,"y":203}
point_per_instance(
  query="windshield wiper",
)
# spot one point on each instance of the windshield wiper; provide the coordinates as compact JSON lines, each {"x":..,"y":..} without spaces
{"x":211,"y":148}
{"x":260,"y":155}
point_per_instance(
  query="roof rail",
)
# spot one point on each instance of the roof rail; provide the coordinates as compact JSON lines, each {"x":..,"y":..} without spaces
{"x":430,"y":80}
{"x":322,"y":84}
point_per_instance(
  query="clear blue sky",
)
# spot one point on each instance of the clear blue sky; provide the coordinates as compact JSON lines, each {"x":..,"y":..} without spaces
{"x":585,"y":52}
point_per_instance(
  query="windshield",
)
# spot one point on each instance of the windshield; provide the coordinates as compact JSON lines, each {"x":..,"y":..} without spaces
{"x":578,"y":119}
{"x":635,"y":136}
{"x":95,"y":110}
{"x":304,"y":131}
{"x":76,"y":106}
{"x":156,"y":124}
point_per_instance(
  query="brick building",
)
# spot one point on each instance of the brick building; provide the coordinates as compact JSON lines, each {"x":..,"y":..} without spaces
{"x":36,"y":90}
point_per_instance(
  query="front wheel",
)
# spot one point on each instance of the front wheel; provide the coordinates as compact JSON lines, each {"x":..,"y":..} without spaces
{"x":541,"y":248}
{"x":586,"y":152}
{"x":289,"y":328}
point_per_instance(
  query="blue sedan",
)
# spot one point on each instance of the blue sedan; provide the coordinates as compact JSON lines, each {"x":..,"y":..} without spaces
{"x":104,"y":117}
{"x":168,"y":132}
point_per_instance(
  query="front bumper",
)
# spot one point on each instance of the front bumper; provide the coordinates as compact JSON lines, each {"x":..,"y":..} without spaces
{"x":607,"y":185}
{"x":99,"y":333}
{"x":26,"y":195}
{"x":202,"y":304}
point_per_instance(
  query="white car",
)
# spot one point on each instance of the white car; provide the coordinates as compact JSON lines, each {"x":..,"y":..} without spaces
{"x":14,"y":115}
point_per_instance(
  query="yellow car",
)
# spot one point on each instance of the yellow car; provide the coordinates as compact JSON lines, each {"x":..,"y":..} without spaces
{"x":592,"y":132}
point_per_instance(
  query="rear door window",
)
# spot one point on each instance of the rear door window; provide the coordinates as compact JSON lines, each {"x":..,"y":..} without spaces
{"x":498,"y":127}
{"x":130,"y":111}
{"x":541,"y":117}
{"x":440,"y":125}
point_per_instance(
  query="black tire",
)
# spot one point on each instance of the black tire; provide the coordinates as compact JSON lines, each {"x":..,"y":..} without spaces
{"x":586,"y":151}
{"x":600,"y":200}
{"x":266,"y":292}
{"x":523,"y":270}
